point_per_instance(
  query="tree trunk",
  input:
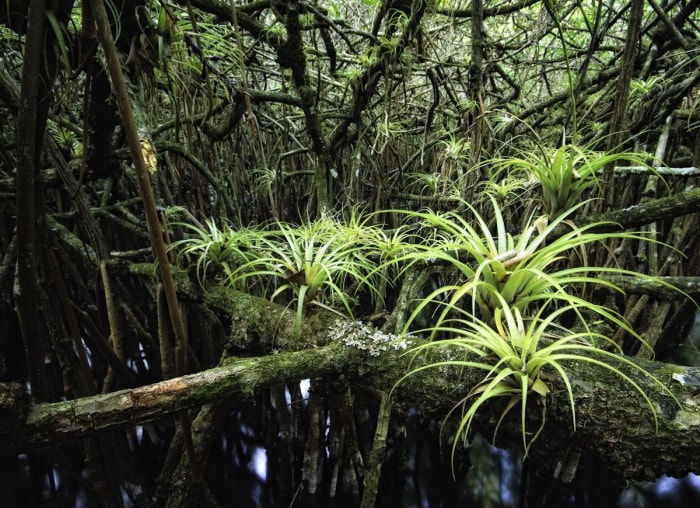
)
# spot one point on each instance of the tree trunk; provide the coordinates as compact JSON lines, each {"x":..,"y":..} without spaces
{"x":617,"y":122}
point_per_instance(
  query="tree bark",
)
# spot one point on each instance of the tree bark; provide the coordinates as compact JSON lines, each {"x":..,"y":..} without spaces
{"x":29,"y":149}
{"x":612,"y":419}
{"x":654,"y":210}
{"x":667,"y":288}
{"x":619,"y":116}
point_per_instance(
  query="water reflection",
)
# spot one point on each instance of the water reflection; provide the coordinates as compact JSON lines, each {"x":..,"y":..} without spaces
{"x":261,"y":458}
{"x":665,"y":492}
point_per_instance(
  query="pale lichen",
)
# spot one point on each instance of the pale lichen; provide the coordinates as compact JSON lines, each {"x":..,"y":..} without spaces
{"x":365,"y":338}
{"x":688,"y":378}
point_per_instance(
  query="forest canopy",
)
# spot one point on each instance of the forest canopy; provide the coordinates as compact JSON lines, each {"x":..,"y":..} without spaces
{"x":498,"y":198}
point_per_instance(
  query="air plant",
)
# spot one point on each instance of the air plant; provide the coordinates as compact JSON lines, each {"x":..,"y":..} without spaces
{"x":505,"y":315}
{"x":219,"y":247}
{"x":565,"y":173}
{"x":514,"y":351}
{"x":525,"y":272}
{"x":323,"y":262}
{"x":315,"y":262}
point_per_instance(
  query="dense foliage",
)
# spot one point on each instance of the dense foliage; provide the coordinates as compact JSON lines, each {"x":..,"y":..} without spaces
{"x":351,"y":156}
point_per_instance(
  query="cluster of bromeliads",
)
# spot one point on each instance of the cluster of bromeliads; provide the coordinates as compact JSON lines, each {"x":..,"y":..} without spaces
{"x":502,"y":311}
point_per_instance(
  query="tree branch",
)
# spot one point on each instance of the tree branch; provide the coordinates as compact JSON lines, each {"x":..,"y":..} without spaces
{"x":605,"y":404}
{"x":650,"y":211}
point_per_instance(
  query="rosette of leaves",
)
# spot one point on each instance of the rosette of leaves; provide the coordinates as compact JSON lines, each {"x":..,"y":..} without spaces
{"x":513,"y":352}
{"x":314,"y":263}
{"x":565,"y":173}
{"x":217,"y":249}
{"x":326,"y":262}
{"x":523,"y":272}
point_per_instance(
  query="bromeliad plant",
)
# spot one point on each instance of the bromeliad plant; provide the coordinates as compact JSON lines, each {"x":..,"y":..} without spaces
{"x":313,"y":261}
{"x":506,"y":313}
{"x":566,"y":173}
{"x":524,"y":273}
{"x":513,"y":352}
{"x":323,"y":262}
{"x":214,"y":247}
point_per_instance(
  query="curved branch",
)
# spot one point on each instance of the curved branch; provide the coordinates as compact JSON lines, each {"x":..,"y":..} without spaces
{"x":499,"y":10}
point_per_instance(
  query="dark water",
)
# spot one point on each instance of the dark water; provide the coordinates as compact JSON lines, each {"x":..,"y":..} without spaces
{"x":245,"y":470}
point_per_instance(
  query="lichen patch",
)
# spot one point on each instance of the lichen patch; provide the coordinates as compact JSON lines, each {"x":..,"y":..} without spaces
{"x":365,"y":338}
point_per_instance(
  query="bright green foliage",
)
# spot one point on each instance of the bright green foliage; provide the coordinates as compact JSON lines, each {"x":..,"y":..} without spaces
{"x":221,"y":248}
{"x":523,"y":272}
{"x":504,"y":314}
{"x":315,"y":261}
{"x":426,"y":183}
{"x":566,"y":173}
{"x":506,"y":190}
{"x":513,"y":351}
{"x":322,"y":262}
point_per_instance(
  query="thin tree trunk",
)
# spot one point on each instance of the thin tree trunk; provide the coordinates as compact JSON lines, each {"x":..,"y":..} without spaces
{"x":154,"y":228}
{"x":28,"y":148}
{"x":616,"y":128}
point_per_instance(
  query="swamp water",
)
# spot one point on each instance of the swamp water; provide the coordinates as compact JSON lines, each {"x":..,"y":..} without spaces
{"x":251,"y":467}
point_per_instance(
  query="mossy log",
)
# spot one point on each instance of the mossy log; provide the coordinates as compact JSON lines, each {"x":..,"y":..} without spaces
{"x":612,"y":419}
